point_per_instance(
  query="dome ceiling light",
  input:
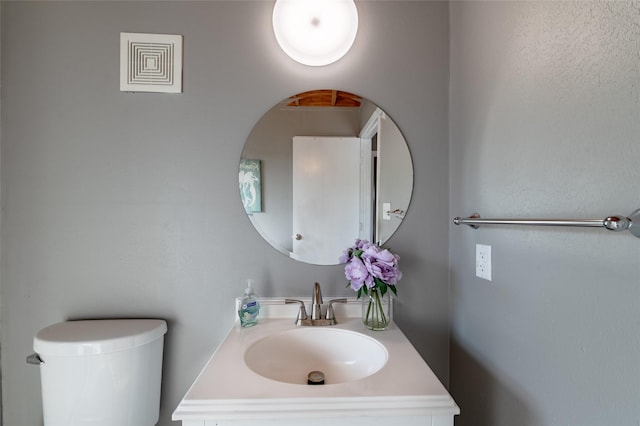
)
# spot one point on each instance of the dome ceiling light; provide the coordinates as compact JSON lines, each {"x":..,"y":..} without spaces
{"x":315,"y":32}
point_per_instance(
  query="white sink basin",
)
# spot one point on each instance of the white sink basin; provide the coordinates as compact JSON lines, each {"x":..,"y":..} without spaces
{"x":342,"y":355}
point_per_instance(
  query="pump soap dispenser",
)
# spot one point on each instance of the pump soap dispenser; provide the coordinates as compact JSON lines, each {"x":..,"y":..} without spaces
{"x":249,"y":307}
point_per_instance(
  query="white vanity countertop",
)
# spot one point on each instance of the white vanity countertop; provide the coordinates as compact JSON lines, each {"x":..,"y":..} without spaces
{"x":227,"y":389}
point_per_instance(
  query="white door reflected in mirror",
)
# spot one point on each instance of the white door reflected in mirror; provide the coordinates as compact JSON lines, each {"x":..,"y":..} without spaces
{"x":326,"y":196}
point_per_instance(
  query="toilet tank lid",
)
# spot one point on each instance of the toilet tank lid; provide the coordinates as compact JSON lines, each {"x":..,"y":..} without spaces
{"x":93,"y":337}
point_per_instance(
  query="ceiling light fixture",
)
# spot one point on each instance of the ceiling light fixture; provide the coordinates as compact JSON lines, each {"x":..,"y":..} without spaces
{"x":315,"y":32}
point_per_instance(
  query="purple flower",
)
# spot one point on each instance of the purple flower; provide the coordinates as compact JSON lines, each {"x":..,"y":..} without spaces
{"x":345,"y":256}
{"x":382,"y":264}
{"x":357,"y":274}
{"x":371,"y":266}
{"x":362,"y":244}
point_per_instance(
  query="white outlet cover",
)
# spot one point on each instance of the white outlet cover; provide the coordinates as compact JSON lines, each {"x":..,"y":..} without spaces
{"x":386,"y":208}
{"x":483,"y":261}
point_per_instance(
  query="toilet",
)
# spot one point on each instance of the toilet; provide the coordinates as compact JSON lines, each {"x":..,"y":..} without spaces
{"x":101,"y":372}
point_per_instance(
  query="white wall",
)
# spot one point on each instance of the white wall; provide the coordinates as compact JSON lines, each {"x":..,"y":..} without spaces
{"x":545,"y":122}
{"x":118,"y":204}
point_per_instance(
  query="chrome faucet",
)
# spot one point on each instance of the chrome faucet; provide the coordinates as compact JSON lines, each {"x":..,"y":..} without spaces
{"x":316,"y":302}
{"x":317,"y":318}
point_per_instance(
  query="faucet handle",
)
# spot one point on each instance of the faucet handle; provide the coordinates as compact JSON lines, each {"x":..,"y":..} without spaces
{"x":302,"y":312}
{"x":330,"y":315}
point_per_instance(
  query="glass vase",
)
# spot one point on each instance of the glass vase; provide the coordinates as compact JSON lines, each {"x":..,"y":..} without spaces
{"x":376,"y":310}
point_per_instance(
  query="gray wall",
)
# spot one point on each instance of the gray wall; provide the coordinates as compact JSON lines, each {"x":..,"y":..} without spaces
{"x":1,"y":343}
{"x":545,"y":122}
{"x":119,"y":204}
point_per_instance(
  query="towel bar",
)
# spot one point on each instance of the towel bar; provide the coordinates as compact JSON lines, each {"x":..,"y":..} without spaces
{"x":612,"y":223}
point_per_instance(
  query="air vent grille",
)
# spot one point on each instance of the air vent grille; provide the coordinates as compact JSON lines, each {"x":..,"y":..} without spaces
{"x":150,"y":63}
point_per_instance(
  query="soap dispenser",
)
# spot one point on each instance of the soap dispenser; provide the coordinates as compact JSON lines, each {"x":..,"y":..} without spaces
{"x":249,"y":307}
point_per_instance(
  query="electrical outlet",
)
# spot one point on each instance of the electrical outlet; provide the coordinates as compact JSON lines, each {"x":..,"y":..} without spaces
{"x":483,"y":261}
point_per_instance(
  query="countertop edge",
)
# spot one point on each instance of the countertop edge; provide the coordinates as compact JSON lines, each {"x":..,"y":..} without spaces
{"x":325,"y":407}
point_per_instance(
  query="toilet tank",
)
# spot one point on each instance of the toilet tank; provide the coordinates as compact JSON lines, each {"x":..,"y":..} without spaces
{"x":101,"y":372}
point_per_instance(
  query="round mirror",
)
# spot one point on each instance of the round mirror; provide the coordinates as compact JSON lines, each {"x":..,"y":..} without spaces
{"x":323,"y":168}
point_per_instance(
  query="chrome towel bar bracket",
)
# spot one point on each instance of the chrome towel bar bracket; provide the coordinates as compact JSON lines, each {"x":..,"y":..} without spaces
{"x":612,"y":223}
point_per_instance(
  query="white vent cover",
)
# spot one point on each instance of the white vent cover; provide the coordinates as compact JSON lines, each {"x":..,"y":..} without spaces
{"x":150,"y":63}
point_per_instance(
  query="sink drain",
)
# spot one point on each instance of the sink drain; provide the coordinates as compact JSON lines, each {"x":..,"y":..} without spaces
{"x":315,"y":378}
